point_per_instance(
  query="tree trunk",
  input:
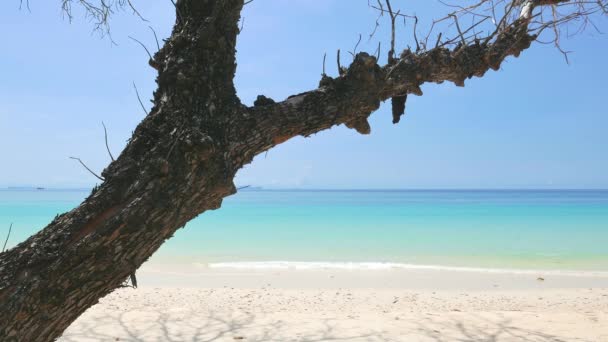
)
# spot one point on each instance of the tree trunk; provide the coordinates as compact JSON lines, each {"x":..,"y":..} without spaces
{"x":182,"y":158}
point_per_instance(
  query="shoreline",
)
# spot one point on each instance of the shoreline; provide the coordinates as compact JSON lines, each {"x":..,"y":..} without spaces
{"x":374,"y":266}
{"x":286,"y":276}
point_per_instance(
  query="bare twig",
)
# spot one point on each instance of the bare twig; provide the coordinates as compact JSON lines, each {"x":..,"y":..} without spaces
{"x":155,"y":37}
{"x":136,"y":12}
{"x":99,"y":12}
{"x":398,"y":14}
{"x":10,"y":228}
{"x":391,"y":52}
{"x":535,"y":15}
{"x":415,"y":35}
{"x":338,"y":60}
{"x":27,"y":5}
{"x":324,"y":56}
{"x":139,"y":99}
{"x":142,"y":45}
{"x":86,"y":167}
{"x":381,"y":11}
{"x":438,"y":40}
{"x":460,"y":34}
{"x":105,"y":134}
{"x":354,"y":53}
{"x":177,"y":11}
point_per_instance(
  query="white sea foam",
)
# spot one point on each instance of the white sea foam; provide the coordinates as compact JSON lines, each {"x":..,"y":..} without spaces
{"x":379,"y":266}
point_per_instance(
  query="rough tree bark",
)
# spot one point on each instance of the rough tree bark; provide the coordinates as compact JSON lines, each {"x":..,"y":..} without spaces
{"x":181,"y":160}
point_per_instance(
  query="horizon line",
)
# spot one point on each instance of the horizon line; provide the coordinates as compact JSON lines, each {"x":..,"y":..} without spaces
{"x":261,"y":188}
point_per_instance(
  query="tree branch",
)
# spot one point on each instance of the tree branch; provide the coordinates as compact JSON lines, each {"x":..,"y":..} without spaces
{"x":350,"y":99}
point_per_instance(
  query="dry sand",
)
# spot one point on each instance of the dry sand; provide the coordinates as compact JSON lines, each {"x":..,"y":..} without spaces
{"x":333,"y":305}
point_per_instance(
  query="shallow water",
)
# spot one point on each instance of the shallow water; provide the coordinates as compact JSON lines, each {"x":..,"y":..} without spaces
{"x":566,"y":230}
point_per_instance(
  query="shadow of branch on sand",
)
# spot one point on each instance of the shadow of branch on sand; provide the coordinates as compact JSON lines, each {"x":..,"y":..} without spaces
{"x":148,"y":326}
{"x":177,"y":325}
{"x":480,"y":328}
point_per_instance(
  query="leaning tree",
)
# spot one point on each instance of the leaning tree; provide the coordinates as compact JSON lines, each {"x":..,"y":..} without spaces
{"x":183,"y":157}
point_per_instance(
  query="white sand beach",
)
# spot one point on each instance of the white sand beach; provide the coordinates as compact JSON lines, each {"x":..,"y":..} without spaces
{"x":349,"y":305}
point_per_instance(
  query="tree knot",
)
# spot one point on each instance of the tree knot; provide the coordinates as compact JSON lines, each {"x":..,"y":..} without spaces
{"x":263,"y":101}
{"x":360,"y":125}
{"x":364,"y":68}
{"x":326,"y":81}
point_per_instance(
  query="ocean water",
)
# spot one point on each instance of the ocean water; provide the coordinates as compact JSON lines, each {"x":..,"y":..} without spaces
{"x":522,"y":230}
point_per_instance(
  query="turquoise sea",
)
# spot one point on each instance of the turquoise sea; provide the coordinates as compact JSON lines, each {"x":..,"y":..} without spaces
{"x":505,"y":229}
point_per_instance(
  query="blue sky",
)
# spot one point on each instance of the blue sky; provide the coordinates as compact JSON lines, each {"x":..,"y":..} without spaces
{"x":537,"y":123}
